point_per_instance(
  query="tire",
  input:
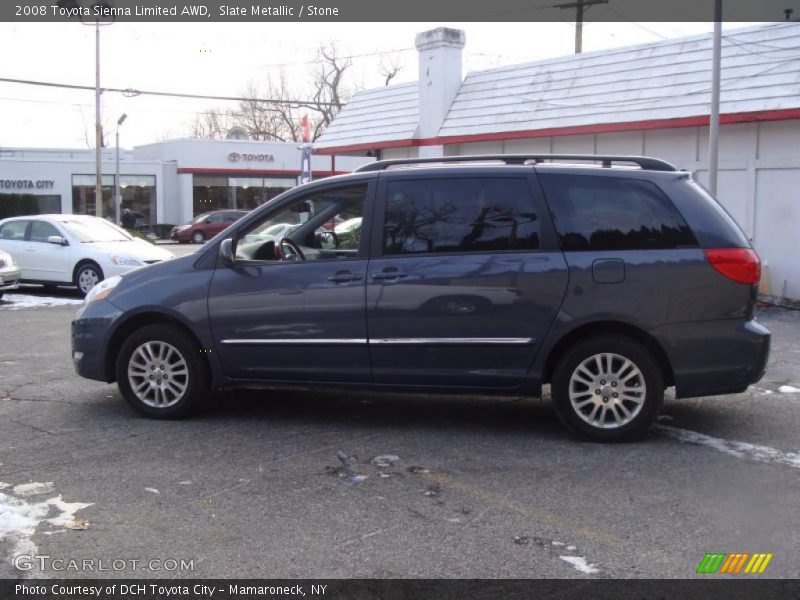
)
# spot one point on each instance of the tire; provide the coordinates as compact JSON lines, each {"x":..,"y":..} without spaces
{"x":186,"y":380}
{"x":87,"y":276}
{"x":198,"y":237}
{"x":583,"y":389}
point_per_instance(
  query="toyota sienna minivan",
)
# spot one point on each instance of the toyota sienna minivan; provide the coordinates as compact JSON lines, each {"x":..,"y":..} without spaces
{"x":609,"y":278}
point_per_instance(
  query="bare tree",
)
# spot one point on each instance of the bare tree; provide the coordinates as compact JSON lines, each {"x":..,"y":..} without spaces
{"x":269,"y":110}
{"x":212,"y":125}
{"x":330,"y":88}
{"x":389,"y":68}
{"x":274,"y":119}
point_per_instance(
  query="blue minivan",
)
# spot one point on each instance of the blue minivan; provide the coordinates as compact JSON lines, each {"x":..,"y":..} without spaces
{"x":609,"y":278}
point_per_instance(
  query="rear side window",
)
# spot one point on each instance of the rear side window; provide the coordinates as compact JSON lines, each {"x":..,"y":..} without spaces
{"x":459,"y":215}
{"x":613,"y":213}
{"x":13,"y":230}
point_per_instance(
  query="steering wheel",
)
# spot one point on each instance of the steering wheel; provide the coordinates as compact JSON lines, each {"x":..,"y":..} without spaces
{"x":290,"y":250}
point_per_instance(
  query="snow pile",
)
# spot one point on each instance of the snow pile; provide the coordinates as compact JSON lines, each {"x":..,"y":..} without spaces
{"x":734,"y":448}
{"x":17,"y":301}
{"x":580,"y":564}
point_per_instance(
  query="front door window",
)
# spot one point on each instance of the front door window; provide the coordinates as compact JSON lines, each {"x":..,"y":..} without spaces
{"x":321,"y":226}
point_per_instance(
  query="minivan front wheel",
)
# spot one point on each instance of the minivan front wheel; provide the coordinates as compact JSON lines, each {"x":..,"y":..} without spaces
{"x":160,"y":372}
{"x":608,"y":388}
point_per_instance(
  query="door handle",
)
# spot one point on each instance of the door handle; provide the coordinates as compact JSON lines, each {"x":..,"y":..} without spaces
{"x":343,"y":277}
{"x":389,"y":275}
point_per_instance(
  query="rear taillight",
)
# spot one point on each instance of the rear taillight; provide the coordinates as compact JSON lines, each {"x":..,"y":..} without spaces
{"x":739,"y":264}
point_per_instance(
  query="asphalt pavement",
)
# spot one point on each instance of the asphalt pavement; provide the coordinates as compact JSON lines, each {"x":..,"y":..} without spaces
{"x":284,"y":483}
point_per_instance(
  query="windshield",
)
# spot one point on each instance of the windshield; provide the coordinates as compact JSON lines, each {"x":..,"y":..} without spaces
{"x":199,"y":218}
{"x":88,"y":232}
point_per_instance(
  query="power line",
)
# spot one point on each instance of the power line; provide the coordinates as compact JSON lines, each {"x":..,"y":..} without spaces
{"x":130,"y":92}
{"x":351,"y":56}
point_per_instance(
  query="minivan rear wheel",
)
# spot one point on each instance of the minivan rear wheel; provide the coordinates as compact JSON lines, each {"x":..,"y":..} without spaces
{"x":608,"y":388}
{"x":160,"y":372}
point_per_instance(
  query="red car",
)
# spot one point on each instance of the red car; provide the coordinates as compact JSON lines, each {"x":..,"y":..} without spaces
{"x":205,"y":226}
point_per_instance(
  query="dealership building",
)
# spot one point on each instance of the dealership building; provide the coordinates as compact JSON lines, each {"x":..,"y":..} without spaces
{"x":652,"y":99}
{"x":166,"y":182}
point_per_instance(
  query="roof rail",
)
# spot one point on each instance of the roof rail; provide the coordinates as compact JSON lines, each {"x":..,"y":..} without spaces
{"x":644,"y":162}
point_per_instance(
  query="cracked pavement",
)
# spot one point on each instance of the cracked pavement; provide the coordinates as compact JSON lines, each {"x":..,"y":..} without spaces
{"x":483,"y":488}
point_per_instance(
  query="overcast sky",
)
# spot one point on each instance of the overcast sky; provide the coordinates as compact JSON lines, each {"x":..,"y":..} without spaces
{"x":221,"y":58}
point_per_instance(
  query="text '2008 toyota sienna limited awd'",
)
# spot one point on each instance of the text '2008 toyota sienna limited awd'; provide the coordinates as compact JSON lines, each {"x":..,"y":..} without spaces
{"x":610,"y":278}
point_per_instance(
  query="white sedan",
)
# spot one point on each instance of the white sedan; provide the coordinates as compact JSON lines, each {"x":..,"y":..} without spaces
{"x":74,"y":249}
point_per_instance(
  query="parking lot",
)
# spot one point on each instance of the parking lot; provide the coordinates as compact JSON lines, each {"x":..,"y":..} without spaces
{"x":285,"y":483}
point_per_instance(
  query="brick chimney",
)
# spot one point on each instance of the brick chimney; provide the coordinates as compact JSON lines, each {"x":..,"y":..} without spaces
{"x":439,"y":80}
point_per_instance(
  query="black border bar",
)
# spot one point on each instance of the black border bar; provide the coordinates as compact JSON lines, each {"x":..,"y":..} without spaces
{"x":394,"y":10}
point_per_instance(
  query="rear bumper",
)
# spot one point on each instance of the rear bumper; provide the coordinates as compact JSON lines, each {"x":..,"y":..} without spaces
{"x":715,"y":357}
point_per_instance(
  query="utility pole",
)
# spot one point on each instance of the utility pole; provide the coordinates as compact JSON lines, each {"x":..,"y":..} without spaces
{"x":713,"y":126}
{"x":98,"y":127}
{"x":579,"y":6}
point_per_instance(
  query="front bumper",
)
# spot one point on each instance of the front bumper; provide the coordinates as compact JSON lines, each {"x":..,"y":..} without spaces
{"x":9,"y":278}
{"x":710,"y":358}
{"x":181,"y":235}
{"x":91,"y":331}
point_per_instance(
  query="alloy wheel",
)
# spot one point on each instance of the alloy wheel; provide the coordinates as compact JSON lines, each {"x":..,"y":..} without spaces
{"x":607,"y":390}
{"x":158,"y":374}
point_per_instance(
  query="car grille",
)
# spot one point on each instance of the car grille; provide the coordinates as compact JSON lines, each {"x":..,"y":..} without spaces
{"x":150,"y":262}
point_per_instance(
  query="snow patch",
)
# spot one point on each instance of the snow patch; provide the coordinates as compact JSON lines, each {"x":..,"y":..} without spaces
{"x":31,"y":489}
{"x":19,"y":519}
{"x":733,"y":448}
{"x":580,"y":564}
{"x":17,"y":301}
{"x":788,"y":389}
{"x":153,"y":490}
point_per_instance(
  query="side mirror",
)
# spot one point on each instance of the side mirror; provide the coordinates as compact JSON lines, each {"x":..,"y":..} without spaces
{"x":326,"y":240}
{"x":57,"y":240}
{"x":226,"y":252}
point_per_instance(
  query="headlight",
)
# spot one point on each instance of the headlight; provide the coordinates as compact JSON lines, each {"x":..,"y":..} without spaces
{"x":126,"y":261}
{"x":102,"y":289}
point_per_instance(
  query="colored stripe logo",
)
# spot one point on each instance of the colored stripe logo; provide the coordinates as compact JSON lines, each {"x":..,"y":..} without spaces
{"x":734,"y":563}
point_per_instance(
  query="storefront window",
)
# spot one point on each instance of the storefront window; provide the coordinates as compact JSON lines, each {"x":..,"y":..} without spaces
{"x":210,"y":193}
{"x":240,"y":193}
{"x":249,"y":191}
{"x":83,"y":195}
{"x":16,"y":205}
{"x":139,"y":195}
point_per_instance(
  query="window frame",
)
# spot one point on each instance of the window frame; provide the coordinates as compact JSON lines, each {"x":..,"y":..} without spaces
{"x":547,"y":238}
{"x":240,"y":229}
